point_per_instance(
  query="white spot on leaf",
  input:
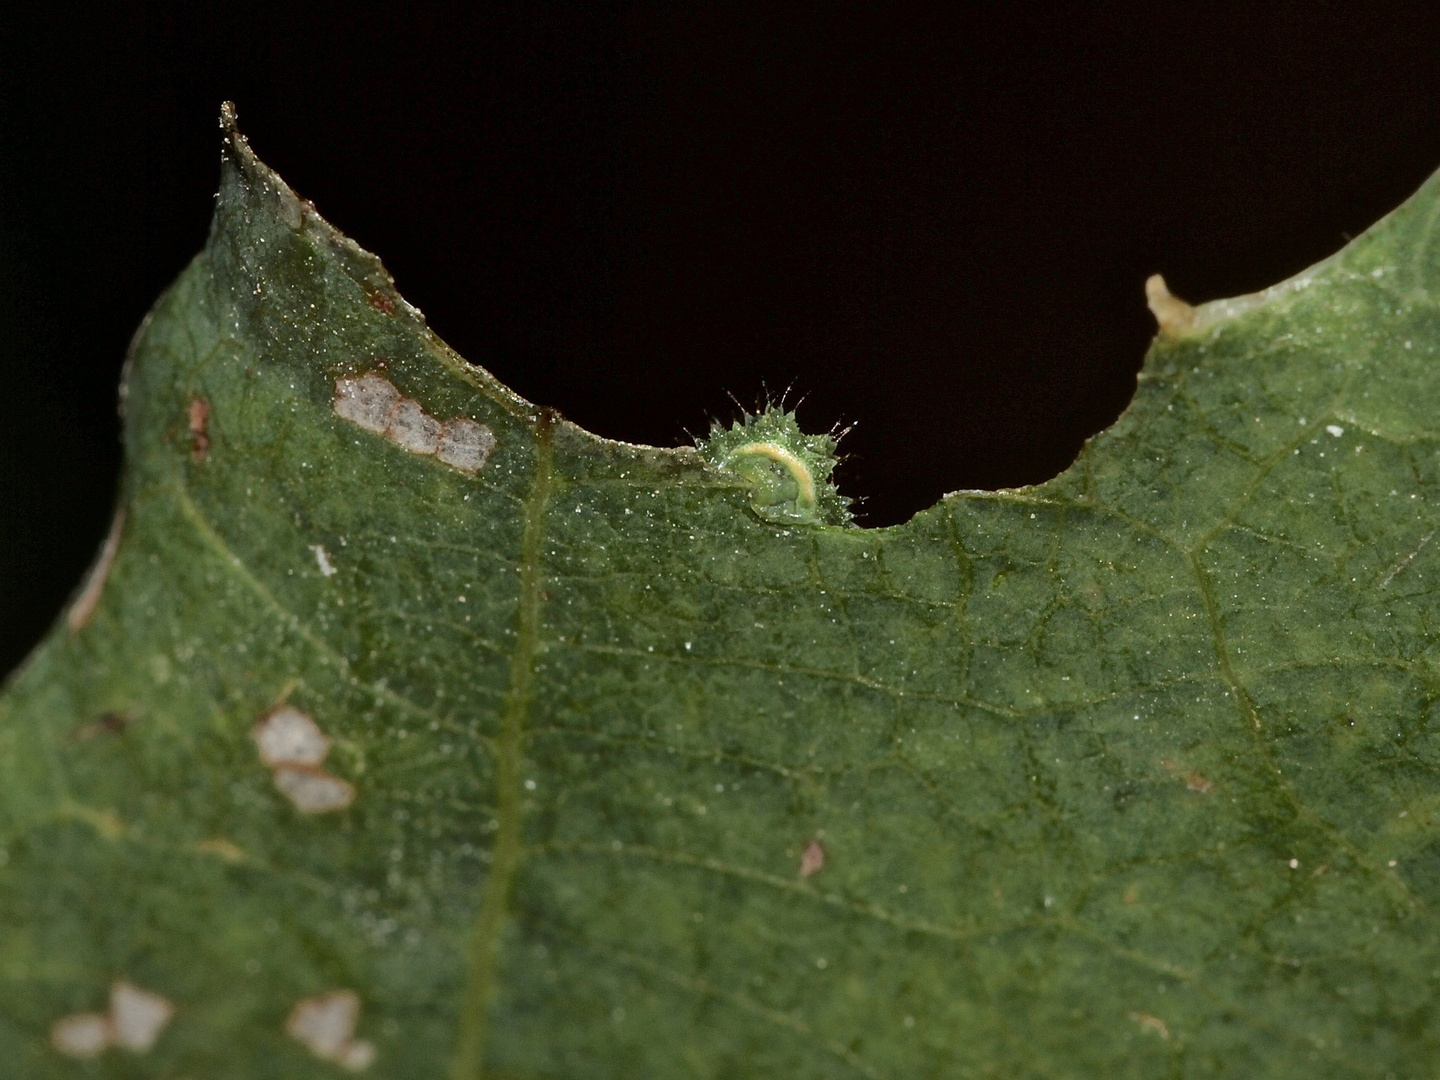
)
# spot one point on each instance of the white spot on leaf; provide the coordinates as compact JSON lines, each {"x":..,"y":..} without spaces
{"x":135,"y":1020}
{"x":413,"y":428}
{"x":287,"y":736}
{"x":83,"y":1035}
{"x":313,"y":791}
{"x":367,"y":401}
{"x":465,"y":445}
{"x":291,"y":743}
{"x":325,"y":1025}
{"x":1335,"y":429}
{"x":372,"y":402}
{"x":138,"y":1016}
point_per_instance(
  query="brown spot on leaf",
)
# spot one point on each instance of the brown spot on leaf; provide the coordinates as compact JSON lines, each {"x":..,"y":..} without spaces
{"x":1191,"y":779}
{"x":110,"y":723}
{"x":199,"y":429}
{"x":812,"y":860}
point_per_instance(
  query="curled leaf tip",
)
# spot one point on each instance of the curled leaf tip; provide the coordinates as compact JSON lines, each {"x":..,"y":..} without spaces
{"x":1175,"y":316}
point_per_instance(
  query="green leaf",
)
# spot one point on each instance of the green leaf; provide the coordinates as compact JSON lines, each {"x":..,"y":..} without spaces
{"x":405,"y":727}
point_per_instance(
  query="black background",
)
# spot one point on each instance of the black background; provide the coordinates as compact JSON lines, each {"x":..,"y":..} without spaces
{"x":934,"y":226}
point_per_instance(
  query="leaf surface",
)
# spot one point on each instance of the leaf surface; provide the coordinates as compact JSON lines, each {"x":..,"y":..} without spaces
{"x":405,"y":727}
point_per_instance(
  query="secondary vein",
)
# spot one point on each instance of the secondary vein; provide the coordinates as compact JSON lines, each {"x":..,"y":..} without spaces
{"x":474,"y":1027}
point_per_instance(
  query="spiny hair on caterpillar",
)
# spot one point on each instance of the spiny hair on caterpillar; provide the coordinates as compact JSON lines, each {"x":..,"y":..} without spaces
{"x":789,"y":471}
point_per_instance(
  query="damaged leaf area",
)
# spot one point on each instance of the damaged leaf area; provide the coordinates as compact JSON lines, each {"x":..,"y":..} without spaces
{"x":405,"y":729}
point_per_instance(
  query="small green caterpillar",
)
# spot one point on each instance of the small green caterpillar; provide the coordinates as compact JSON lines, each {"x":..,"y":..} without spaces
{"x":788,"y":470}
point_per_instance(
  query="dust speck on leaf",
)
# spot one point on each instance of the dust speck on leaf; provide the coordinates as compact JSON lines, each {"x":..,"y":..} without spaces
{"x":812,"y":860}
{"x":325,"y":1025}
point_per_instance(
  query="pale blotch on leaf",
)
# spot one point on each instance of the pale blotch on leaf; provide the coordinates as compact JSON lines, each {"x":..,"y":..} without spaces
{"x":134,"y":1022}
{"x":287,"y":736}
{"x":138,"y":1016}
{"x":322,"y":557}
{"x":313,"y":791}
{"x":291,"y":743}
{"x":812,"y":860}
{"x":325,"y":1025}
{"x":83,"y":1035}
{"x":368,"y":401}
{"x":372,"y":402}
{"x":465,"y":445}
{"x":413,"y":428}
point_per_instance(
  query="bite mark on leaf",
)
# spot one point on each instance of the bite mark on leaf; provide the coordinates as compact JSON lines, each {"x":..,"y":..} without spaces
{"x":325,"y":1025}
{"x":372,"y":402}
